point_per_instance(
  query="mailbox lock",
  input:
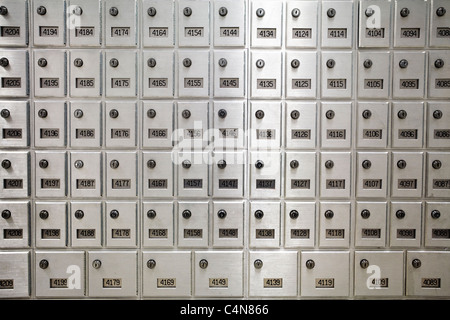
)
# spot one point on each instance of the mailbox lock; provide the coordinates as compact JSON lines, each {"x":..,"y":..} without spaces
{"x":113,"y":11}
{"x":440,"y":11}
{"x":366,"y":164}
{"x":151,"y":164}
{"x":42,"y":62}
{"x":439,"y":63}
{"x":330,"y":114}
{"x":151,"y":264}
{"x":78,"y":11}
{"x":223,"y":11}
{"x":187,"y":62}
{"x":403,"y":63}
{"x":187,"y":11}
{"x":186,"y":214}
{"x":364,"y":263}
{"x":401,"y":164}
{"x":43,"y":214}
{"x":221,"y":164}
{"x":78,"y":62}
{"x":367,"y":114}
{"x":4,"y":62}
{"x":221,"y":214}
{"x":151,"y":62}
{"x":151,"y":11}
{"x":114,"y":164}
{"x":329,"y":214}
{"x":43,"y":163}
{"x":259,"y":214}
{"x":222,"y":113}
{"x":259,"y":164}
{"x":402,"y":114}
{"x":400,"y":214}
{"x":78,"y":113}
{"x":294,"y":164}
{"x":436,"y":164}
{"x":3,"y":10}
{"x":113,"y":113}
{"x":151,"y":214}
{"x":365,"y":214}
{"x":367,"y":63}
{"x":186,"y":114}
{"x":151,"y":113}
{"x":416,"y":263}
{"x":203,"y":263}
{"x":79,"y":214}
{"x":331,"y":13}
{"x":310,"y":264}
{"x":6,"y":164}
{"x":223,"y":62}
{"x":186,"y":164}
{"x":435,"y":214}
{"x":293,"y":214}
{"x":96,"y":264}
{"x":260,"y":12}
{"x":114,"y":63}
{"x":6,"y":214}
{"x":260,"y":63}
{"x":295,"y":63}
{"x":114,"y":214}
{"x":437,"y":114}
{"x":5,"y":113}
{"x":329,"y":164}
{"x":369,"y":12}
{"x":41,"y":10}
{"x":404,"y":12}
{"x":258,"y":264}
{"x":295,"y":114}
{"x":331,"y":63}
{"x":42,"y":113}
{"x":43,"y":264}
{"x":295,"y":12}
{"x":259,"y":114}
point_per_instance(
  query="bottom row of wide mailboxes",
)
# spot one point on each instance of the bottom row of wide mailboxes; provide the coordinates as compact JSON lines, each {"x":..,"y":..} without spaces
{"x":221,"y":273}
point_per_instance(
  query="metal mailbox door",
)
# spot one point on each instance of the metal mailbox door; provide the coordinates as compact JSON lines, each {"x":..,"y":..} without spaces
{"x":193,"y":224}
{"x":158,"y":23}
{"x":86,"y":125}
{"x":86,"y":221}
{"x":192,"y":124}
{"x":166,"y":273}
{"x":406,"y":224}
{"x":438,"y":74}
{"x":121,"y":223}
{"x":335,"y":173}
{"x":407,"y":125}
{"x":265,"y":177}
{"x":301,"y":24}
{"x":157,"y":124}
{"x":15,"y":174}
{"x":334,"y":224}
{"x":15,"y":225}
{"x":193,"y":23}
{"x":300,"y":220}
{"x":408,"y":75}
{"x":374,"y":75}
{"x":337,"y":24}
{"x":14,"y":73}
{"x":51,"y":224}
{"x":219,"y":274}
{"x":266,"y":74}
{"x":438,"y":133}
{"x":230,"y":23}
{"x":410,"y":23}
{"x":121,"y":124}
{"x":193,"y":174}
{"x":301,"y":75}
{"x":228,"y":174}
{"x":301,"y":119}
{"x":15,"y":274}
{"x":51,"y":174}
{"x":438,"y":174}
{"x":112,"y":274}
{"x":84,"y":23}
{"x":266,"y":23}
{"x":50,"y":73}
{"x":439,"y":25}
{"x":228,"y":224}
{"x":158,"y":224}
{"x":121,"y":70}
{"x":325,"y":274}
{"x":120,"y":23}
{"x":372,"y":174}
{"x":437,"y":224}
{"x":273,"y":273}
{"x":50,"y":124}
{"x":60,"y":274}
{"x":372,"y":125}
{"x":85,"y":69}
{"x":266,"y":119}
{"x":86,"y":174}
{"x":371,"y":224}
{"x":15,"y":124}
{"x":49,"y":18}
{"x":379,"y":273}
{"x":158,"y":74}
{"x":336,"y":74}
{"x":407,"y":174}
{"x":121,"y":174}
{"x":229,"y":121}
{"x":336,"y":125}
{"x":265,"y":224}
{"x":193,"y":73}
{"x":14,"y":28}
{"x":374,"y":23}
{"x":300,"y":179}
{"x":229,"y":73}
{"x":158,"y":174}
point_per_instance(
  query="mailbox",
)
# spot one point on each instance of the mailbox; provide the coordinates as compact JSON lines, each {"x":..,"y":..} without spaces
{"x":120,"y":23}
{"x":15,"y":224}
{"x":51,"y":224}
{"x":15,"y":124}
{"x":15,"y":274}
{"x":14,"y":72}
{"x":50,"y":124}
{"x":158,"y":23}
